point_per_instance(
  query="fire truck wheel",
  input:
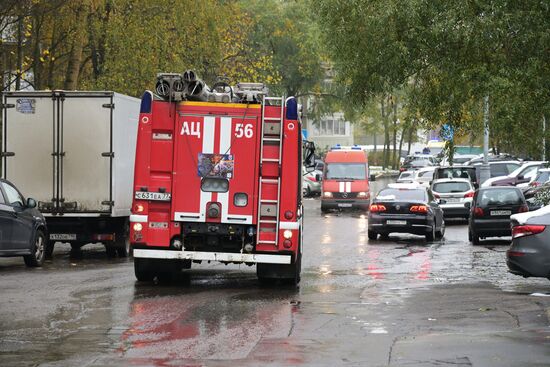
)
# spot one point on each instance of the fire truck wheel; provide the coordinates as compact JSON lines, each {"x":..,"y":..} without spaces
{"x":142,"y":270}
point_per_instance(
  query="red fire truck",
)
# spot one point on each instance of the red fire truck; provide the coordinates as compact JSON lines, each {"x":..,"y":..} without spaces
{"x":218,"y":176}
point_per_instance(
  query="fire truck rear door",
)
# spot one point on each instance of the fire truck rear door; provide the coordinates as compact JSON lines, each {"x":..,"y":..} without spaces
{"x":216,"y":147}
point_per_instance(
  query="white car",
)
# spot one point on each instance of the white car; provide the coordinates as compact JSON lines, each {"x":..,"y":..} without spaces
{"x":520,"y":177}
{"x":424,"y":176}
{"x":311,"y":182}
{"x":452,"y":194}
{"x":406,"y":176}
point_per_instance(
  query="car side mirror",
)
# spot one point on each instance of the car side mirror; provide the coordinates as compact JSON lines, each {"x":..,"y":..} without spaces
{"x":468,"y":204}
{"x":31,"y":203}
{"x":318,"y":177}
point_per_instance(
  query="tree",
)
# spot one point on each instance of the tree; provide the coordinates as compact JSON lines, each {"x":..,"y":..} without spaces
{"x":456,"y":52}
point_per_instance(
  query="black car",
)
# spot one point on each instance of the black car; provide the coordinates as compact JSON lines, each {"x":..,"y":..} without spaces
{"x":404,"y":208}
{"x":491,"y":209}
{"x":22,"y":227}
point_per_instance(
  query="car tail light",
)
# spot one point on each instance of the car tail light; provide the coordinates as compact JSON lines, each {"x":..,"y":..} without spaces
{"x":420,"y":209}
{"x":526,"y":230}
{"x":402,"y":169}
{"x":375,"y":208}
{"x":437,"y":196}
{"x":469,"y":194}
{"x":478,"y":212}
{"x":524,"y":208}
{"x":534,"y":184}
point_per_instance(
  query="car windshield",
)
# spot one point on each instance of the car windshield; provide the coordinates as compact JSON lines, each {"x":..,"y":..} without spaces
{"x":450,"y":187}
{"x":401,"y":195}
{"x":543,"y":176}
{"x":346,"y":171}
{"x":499,"y":197}
{"x":421,"y":162}
{"x":454,"y":173}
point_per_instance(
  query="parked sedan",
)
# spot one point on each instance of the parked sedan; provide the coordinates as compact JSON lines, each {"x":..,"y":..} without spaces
{"x":529,"y":253}
{"x":452,"y":194}
{"x":491,"y":209}
{"x":405,"y":208}
{"x":22,"y":227}
{"x":520,"y":177}
{"x":311,"y":182}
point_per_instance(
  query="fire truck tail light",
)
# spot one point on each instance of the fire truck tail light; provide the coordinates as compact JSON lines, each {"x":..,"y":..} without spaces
{"x":240,"y":199}
{"x":138,"y":227}
{"x":287,"y":243}
{"x":288,"y":215}
{"x":214,"y":184}
{"x":287,"y":234}
{"x":139,"y":208}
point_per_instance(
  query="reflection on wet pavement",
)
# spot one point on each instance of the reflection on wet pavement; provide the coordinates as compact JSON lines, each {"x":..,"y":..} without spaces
{"x":360,"y":302}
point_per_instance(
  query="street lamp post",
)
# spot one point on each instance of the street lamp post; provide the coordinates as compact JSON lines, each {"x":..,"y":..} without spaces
{"x":485,"y":172}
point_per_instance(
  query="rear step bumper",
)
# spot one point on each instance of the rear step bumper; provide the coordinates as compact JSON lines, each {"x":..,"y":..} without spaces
{"x":213,"y":256}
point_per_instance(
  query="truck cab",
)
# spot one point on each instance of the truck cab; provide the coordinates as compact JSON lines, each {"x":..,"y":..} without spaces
{"x":345,"y":180}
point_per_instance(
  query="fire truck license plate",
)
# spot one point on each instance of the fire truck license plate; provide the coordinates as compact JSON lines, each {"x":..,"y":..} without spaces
{"x":159,"y":196}
{"x":63,"y":236}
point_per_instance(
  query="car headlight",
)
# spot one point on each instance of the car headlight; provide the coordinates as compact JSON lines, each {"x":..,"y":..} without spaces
{"x":327,"y":194}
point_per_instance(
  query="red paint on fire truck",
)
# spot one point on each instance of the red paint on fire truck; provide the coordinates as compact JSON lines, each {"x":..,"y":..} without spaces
{"x":217,"y":182}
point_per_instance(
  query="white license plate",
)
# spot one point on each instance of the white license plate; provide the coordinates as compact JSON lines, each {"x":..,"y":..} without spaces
{"x":501,"y":212}
{"x":396,"y":222}
{"x":63,"y":236}
{"x":159,"y":196}
{"x":344,"y":205}
{"x":452,"y":200}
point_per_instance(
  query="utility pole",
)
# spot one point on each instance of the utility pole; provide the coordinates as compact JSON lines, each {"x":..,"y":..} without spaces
{"x":485,"y":172}
{"x":543,"y":137}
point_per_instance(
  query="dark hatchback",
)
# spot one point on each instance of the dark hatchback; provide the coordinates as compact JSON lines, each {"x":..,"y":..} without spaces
{"x":491,"y":209}
{"x":411,"y":209}
{"x":22,"y":227}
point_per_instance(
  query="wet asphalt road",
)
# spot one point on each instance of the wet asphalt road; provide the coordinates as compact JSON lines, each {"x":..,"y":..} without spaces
{"x":400,"y":302}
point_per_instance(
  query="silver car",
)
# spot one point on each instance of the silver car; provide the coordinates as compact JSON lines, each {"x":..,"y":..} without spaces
{"x":452,"y":194}
{"x":529,"y":253}
{"x":311,"y":182}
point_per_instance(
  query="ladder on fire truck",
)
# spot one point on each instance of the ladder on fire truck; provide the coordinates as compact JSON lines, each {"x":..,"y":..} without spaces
{"x":271,"y":152}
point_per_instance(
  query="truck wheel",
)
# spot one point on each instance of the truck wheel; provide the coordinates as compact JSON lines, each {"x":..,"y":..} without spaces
{"x":324,"y":209}
{"x":372,"y":235}
{"x":142,"y":270}
{"x":287,"y":273}
{"x":38,"y":250}
{"x":49,"y":249}
{"x":111,"y":250}
{"x":122,"y":242}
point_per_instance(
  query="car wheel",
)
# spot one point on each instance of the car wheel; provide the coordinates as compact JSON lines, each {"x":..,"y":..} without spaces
{"x":372,"y":235}
{"x":306,"y":191}
{"x":324,"y":209}
{"x":38,"y":250}
{"x":441,"y":231}
{"x":431,"y":235}
{"x":474,"y":238}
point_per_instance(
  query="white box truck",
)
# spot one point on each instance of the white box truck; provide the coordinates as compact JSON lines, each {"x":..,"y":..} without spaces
{"x":73,"y":152}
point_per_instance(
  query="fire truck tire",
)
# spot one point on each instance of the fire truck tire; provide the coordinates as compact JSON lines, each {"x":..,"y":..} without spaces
{"x":142,"y":270}
{"x":289,"y":274}
{"x":323,"y":209}
{"x":170,"y":271}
